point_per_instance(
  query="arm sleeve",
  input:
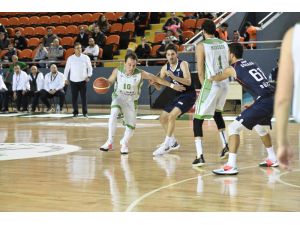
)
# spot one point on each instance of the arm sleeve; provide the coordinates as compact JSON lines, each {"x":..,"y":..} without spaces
{"x":67,"y":69}
{"x":89,"y":66}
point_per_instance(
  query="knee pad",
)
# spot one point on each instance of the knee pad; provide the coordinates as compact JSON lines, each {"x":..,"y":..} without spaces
{"x":219,"y":120}
{"x":235,"y":128}
{"x":197,"y":127}
{"x":260,"y":130}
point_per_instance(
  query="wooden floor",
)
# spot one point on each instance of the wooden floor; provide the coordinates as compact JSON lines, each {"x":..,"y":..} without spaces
{"x":91,"y":180}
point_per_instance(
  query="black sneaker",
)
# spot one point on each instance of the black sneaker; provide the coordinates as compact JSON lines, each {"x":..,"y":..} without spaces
{"x":85,"y":116}
{"x":224,"y":152}
{"x":199,"y":161}
{"x":75,"y":115}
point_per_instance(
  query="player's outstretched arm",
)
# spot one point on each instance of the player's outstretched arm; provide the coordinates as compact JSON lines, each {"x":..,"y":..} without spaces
{"x":113,"y":77}
{"x":227,"y":72}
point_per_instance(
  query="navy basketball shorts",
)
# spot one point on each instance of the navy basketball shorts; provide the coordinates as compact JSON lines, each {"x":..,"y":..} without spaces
{"x":260,"y":112}
{"x":184,"y":102}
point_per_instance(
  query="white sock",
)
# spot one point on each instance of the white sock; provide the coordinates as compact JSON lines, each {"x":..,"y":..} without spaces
{"x":172,"y":140}
{"x":167,"y":141}
{"x":232,"y":160}
{"x":271,"y":154}
{"x":223,"y":138}
{"x":127,"y":135}
{"x":112,"y":124}
{"x":198,"y":143}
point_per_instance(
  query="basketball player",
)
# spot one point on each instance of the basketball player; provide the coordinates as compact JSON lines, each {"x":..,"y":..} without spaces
{"x":252,"y":78}
{"x":179,"y":73}
{"x":212,"y":57}
{"x":288,"y":80}
{"x":128,"y":81}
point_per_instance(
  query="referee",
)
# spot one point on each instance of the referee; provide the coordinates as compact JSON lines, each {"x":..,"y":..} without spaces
{"x":80,"y":68}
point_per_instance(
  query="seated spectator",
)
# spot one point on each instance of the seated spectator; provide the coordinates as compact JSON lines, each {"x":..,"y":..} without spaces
{"x":98,"y":37}
{"x":3,"y":29}
{"x":103,"y":24}
{"x":41,"y":55}
{"x":53,"y":87}
{"x":161,"y":53}
{"x":19,"y":41}
{"x":82,"y":38}
{"x":250,"y":35}
{"x":55,"y":51}
{"x":170,"y":37}
{"x":173,"y":17}
{"x":4,"y":41}
{"x":36,"y":80}
{"x":129,"y":17}
{"x":237,"y":37}
{"x":173,"y":26}
{"x":49,"y":37}
{"x":20,"y":88}
{"x":11,"y":52}
{"x":92,"y":50}
{"x":221,"y":32}
{"x":143,"y":50}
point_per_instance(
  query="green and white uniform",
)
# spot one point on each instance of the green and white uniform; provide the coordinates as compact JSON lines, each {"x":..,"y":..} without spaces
{"x":213,"y":93}
{"x":126,"y":94}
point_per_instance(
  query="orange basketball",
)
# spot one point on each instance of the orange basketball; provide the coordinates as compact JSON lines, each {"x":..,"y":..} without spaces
{"x":101,"y":85}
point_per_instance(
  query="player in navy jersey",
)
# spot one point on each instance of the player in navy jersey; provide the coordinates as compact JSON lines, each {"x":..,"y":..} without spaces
{"x":179,"y":73}
{"x":252,"y":78}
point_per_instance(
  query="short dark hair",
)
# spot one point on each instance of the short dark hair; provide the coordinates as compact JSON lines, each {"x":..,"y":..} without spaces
{"x":224,"y":25}
{"x":171,"y":47}
{"x":247,"y":24}
{"x":131,"y":55}
{"x":209,"y":26}
{"x":237,"y":50}
{"x":76,"y":44}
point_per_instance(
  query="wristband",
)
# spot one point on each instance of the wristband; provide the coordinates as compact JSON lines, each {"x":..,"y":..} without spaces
{"x":172,"y":85}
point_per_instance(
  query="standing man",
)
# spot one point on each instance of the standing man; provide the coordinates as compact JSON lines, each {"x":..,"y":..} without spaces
{"x":212,"y":57}
{"x":80,"y":68}
{"x":252,"y":78}
{"x":287,"y":93}
{"x":179,"y":73}
{"x":128,"y":81}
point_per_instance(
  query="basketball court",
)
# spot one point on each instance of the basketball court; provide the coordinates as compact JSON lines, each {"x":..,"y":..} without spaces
{"x":52,"y":163}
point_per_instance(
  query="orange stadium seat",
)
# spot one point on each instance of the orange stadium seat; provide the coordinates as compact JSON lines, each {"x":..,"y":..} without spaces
{"x":187,"y":14}
{"x":87,"y":17}
{"x":24,"y":20}
{"x":129,"y":27}
{"x":154,"y":50}
{"x":4,"y":21}
{"x":40,"y":31}
{"x":159,"y":37}
{"x":14,"y":21}
{"x":72,"y":30}
{"x":11,"y":32}
{"x":113,"y":40}
{"x":65,"y":19}
{"x":68,"y":53}
{"x":110,"y":16}
{"x":188,"y":35}
{"x":25,"y":55}
{"x":67,"y":42}
{"x":199,"y":23}
{"x":55,"y":20}
{"x":181,"y":48}
{"x":96,"y":16}
{"x":116,"y":28}
{"x":44,"y":20}
{"x":33,"y":43}
{"x":29,"y":31}
{"x":34,"y":20}
{"x":119,"y":14}
{"x":76,"y":19}
{"x":3,"y":53}
{"x":189,"y":24}
{"x":20,"y":29}
{"x":60,"y":30}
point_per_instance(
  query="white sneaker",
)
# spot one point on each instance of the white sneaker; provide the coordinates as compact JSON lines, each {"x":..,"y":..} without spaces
{"x":174,"y":146}
{"x":124,"y":149}
{"x":226,"y":170}
{"x":107,"y":146}
{"x":162,"y":150}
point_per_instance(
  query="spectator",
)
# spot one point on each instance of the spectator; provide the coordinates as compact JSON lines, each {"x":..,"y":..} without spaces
{"x":250,"y":34}
{"x":98,"y":37}
{"x":82,"y":38}
{"x":53,"y":87}
{"x":20,"y":88}
{"x":274,"y":72}
{"x":161,"y":53}
{"x":129,"y":17}
{"x":143,"y":50}
{"x":41,"y":55}
{"x":4,"y":41}
{"x":36,"y":80}
{"x":19,"y":41}
{"x":92,"y":50}
{"x":80,"y":68}
{"x":103,"y":24}
{"x":11,"y":51}
{"x":173,"y":27}
{"x":55,"y":51}
{"x":221,"y":32}
{"x":237,"y":37}
{"x":3,"y":29}
{"x":49,"y":37}
{"x":173,"y":17}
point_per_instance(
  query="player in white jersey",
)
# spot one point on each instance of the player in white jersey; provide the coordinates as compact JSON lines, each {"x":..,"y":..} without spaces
{"x":212,"y":57}
{"x":288,"y":85}
{"x":128,"y":81}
